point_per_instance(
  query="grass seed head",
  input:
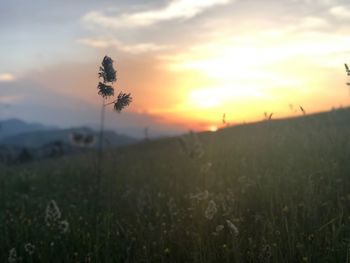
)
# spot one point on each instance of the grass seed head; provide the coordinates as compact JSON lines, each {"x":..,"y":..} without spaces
{"x":107,"y":71}
{"x":63,"y":226}
{"x":233,"y":229}
{"x":122,"y":101}
{"x":105,"y":90}
{"x":13,"y":258}
{"x":29,"y":248}
{"x":52,"y":213}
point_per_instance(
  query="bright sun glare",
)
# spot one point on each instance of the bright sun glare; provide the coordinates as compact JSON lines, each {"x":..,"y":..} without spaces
{"x":213,"y":128}
{"x":264,"y":75}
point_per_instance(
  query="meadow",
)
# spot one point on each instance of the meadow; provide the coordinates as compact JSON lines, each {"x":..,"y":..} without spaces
{"x":274,"y":191}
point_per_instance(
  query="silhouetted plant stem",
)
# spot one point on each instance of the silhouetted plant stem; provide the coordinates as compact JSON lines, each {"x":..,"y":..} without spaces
{"x":100,"y":150}
{"x":107,"y":76}
{"x":100,"y":146}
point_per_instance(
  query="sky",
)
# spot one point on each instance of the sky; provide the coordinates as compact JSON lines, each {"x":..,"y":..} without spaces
{"x":185,"y":62}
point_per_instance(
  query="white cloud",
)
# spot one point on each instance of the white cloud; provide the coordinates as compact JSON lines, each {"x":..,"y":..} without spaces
{"x":340,"y":12}
{"x":314,"y":2}
{"x":311,"y":22}
{"x":131,"y":48}
{"x":178,"y":9}
{"x":6,"y":77}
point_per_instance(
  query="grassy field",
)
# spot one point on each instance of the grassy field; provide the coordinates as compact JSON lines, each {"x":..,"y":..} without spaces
{"x":276,"y":191}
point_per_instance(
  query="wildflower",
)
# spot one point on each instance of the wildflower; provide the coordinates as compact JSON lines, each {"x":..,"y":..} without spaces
{"x":29,"y":248}
{"x":122,"y":101}
{"x":105,"y":90}
{"x":63,"y":226}
{"x":53,"y":213}
{"x":12,"y":258}
{"x":107,"y":72}
{"x":232,"y":227}
{"x":211,"y":210}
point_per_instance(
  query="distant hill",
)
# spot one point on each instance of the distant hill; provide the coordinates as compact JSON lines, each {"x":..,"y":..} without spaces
{"x":13,"y":127}
{"x":21,"y":141}
{"x":41,"y":138}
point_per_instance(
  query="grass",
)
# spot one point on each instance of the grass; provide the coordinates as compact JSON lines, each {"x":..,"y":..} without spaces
{"x":284,"y":185}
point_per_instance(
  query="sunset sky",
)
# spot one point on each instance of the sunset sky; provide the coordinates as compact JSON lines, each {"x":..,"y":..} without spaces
{"x":185,"y":62}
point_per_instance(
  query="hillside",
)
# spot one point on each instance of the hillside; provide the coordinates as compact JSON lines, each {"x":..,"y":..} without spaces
{"x":13,"y":127}
{"x":43,"y":137}
{"x":23,"y":142}
{"x":274,"y":191}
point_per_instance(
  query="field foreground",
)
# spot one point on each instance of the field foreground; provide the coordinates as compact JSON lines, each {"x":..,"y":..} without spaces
{"x":276,"y":191}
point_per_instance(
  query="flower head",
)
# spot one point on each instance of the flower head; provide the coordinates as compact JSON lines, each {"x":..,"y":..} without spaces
{"x":12,"y":258}
{"x":107,"y":72}
{"x":52,"y":214}
{"x":233,"y":229}
{"x":122,"y":101}
{"x":63,"y":226}
{"x":211,"y":210}
{"x":29,"y":248}
{"x":105,"y":90}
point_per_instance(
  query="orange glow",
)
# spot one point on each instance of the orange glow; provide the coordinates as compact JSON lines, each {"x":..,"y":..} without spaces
{"x":213,"y":128}
{"x":248,"y":75}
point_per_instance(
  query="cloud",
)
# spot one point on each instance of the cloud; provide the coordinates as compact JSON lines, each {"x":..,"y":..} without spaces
{"x":178,"y":9}
{"x":128,"y":48}
{"x":312,"y":23}
{"x":6,"y":77}
{"x":340,"y":12}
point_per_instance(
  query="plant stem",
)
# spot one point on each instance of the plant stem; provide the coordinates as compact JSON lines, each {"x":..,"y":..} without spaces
{"x":100,"y":147}
{"x":109,"y":103}
{"x":99,"y":175}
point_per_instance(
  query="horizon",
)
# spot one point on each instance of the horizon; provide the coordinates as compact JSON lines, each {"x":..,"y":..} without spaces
{"x":185,"y":63}
{"x":157,"y":134}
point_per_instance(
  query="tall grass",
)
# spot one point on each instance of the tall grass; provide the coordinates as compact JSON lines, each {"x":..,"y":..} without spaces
{"x":277,"y":191}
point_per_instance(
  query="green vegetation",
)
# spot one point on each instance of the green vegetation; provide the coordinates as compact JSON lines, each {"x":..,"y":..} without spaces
{"x":276,"y":191}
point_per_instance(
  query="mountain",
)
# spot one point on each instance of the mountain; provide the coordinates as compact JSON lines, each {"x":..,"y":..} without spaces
{"x":13,"y":127}
{"x":40,"y":138}
{"x":20,"y":141}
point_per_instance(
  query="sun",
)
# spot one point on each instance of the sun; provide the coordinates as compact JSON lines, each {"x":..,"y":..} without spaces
{"x":213,"y":128}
